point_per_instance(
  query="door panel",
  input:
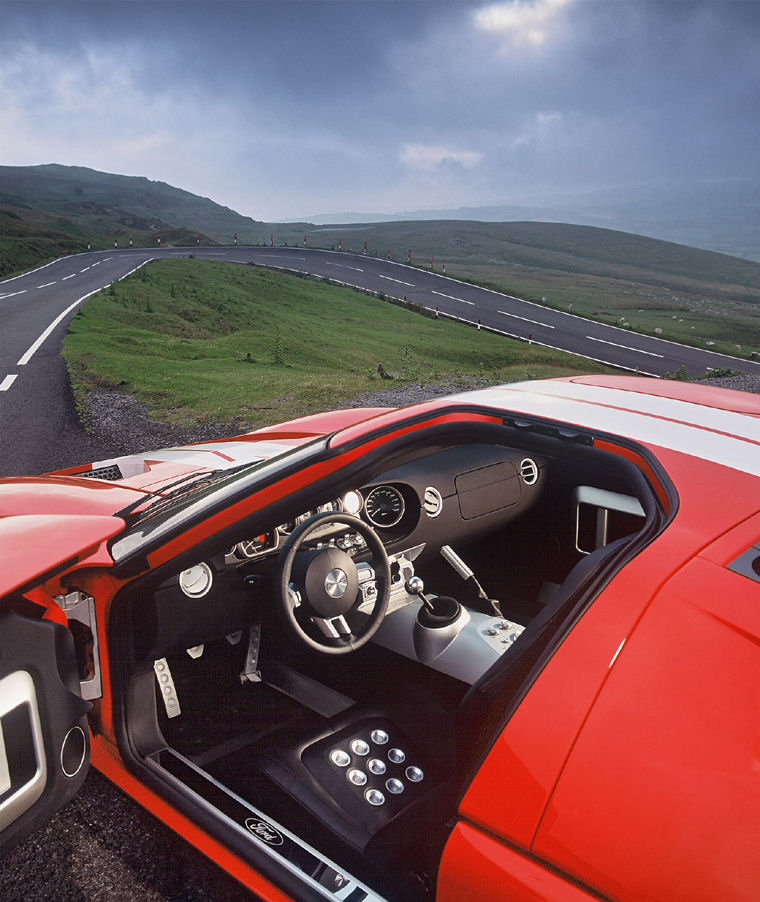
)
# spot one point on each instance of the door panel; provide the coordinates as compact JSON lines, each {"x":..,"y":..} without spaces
{"x":44,"y":736}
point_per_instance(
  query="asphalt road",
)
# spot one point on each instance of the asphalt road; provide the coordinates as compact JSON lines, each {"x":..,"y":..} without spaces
{"x":38,"y":427}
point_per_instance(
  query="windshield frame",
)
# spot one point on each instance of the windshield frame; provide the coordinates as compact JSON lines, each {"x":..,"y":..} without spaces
{"x":164,"y":518}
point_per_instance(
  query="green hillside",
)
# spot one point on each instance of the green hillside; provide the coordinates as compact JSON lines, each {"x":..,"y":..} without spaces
{"x":199,"y":341}
{"x":49,"y":210}
{"x":684,"y":294}
{"x":690,"y":295}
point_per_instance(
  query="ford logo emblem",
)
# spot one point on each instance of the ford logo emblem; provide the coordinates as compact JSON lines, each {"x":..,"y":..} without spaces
{"x":264,"y":831}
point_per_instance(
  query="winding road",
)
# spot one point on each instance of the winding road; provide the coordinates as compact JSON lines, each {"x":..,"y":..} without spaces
{"x":36,"y":409}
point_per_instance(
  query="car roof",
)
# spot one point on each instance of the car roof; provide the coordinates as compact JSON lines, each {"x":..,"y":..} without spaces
{"x":711,"y":424}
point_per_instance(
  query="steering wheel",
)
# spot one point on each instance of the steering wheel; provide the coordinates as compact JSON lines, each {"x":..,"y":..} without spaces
{"x":318,"y":587}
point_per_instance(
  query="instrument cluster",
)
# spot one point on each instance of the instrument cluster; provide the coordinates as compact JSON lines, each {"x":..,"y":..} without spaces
{"x":382,"y":506}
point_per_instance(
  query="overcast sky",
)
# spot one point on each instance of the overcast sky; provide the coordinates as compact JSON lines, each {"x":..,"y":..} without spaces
{"x":286,"y":109}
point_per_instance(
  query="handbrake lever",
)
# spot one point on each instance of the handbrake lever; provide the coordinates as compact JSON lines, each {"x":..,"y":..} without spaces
{"x":452,"y":558}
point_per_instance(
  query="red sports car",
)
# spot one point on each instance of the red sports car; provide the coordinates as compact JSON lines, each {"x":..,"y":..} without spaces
{"x":502,"y":645}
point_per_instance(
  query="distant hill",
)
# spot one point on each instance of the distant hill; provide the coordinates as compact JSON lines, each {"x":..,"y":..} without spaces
{"x":506,"y":252}
{"x":50,"y":210}
{"x":649,"y":285}
{"x":721,"y":216}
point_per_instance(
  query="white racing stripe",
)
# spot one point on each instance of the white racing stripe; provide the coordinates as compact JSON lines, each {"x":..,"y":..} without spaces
{"x":677,"y":425}
{"x":712,"y":418}
{"x":221,"y":455}
{"x":624,"y":347}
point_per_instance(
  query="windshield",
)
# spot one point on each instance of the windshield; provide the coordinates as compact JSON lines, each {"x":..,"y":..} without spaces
{"x":164,"y":516}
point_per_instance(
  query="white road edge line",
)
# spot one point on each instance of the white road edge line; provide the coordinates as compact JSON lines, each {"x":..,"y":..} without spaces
{"x":31,"y":272}
{"x":449,"y":296}
{"x":35,"y":347}
{"x":624,"y":347}
{"x":7,"y":382}
{"x":525,"y":319}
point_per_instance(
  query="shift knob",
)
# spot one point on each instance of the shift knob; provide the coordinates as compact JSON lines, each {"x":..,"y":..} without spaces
{"x":414,"y":585}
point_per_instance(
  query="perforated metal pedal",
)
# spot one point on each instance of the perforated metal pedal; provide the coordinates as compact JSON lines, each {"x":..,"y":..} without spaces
{"x":250,"y":671}
{"x":167,"y":687}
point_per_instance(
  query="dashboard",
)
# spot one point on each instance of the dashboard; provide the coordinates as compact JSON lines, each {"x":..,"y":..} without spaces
{"x":453,"y":495}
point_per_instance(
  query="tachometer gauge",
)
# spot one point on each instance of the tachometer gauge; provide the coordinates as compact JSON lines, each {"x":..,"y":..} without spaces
{"x":196,"y":581}
{"x":384,"y":506}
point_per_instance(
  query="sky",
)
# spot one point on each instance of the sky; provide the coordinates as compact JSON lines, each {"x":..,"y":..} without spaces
{"x":296,"y":108}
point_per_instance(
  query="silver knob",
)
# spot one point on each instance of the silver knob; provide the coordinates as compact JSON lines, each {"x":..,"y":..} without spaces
{"x":414,"y":585}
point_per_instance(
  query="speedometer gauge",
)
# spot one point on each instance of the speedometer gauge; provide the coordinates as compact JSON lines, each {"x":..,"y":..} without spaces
{"x":384,"y":506}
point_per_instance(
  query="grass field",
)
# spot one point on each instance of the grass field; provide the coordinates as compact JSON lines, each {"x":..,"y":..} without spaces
{"x":199,"y":341}
{"x":693,"y":296}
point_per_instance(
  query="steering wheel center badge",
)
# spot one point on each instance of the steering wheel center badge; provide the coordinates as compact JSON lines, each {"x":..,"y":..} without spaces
{"x":336,"y":583}
{"x":264,"y":831}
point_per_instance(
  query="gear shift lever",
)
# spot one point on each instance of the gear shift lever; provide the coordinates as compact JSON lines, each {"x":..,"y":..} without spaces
{"x":438,"y":622}
{"x":415,"y":586}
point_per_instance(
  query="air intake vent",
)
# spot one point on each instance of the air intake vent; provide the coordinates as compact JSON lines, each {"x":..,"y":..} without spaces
{"x":112,"y":473}
{"x":529,"y":471}
{"x":432,"y":502}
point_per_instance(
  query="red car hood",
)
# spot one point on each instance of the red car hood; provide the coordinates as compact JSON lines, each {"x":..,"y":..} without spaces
{"x":49,"y":523}
{"x":38,"y":545}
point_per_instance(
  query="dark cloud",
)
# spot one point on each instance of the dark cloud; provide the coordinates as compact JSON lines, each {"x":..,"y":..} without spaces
{"x":281,"y":108}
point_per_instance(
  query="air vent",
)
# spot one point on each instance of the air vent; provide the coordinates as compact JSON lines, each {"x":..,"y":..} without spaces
{"x":112,"y":473}
{"x":432,"y":502}
{"x":529,"y":471}
{"x":748,"y":564}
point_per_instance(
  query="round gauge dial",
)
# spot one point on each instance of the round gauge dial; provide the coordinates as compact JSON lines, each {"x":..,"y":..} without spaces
{"x":352,"y":502}
{"x":250,"y":548}
{"x":384,"y":506}
{"x":196,"y":581}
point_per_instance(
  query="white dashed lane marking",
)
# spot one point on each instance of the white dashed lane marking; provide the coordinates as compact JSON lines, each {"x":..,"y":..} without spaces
{"x":526,"y":320}
{"x":452,"y":298}
{"x":398,"y":281}
{"x":624,"y":347}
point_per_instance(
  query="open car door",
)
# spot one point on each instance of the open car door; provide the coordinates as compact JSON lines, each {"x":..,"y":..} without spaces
{"x":44,"y":734}
{"x":44,"y":737}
